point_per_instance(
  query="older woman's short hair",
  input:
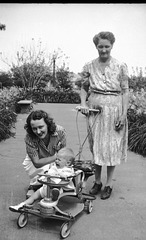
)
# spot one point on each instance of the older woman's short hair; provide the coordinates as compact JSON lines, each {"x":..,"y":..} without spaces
{"x":37,"y":115}
{"x":104,"y":35}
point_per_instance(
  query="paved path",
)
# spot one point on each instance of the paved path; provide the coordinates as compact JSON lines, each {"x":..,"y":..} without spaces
{"x":123,"y":216}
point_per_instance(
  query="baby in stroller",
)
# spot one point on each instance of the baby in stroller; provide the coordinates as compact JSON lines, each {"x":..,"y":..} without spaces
{"x":61,"y":169}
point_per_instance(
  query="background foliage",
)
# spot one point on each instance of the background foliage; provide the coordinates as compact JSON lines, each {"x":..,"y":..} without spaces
{"x":31,"y":77}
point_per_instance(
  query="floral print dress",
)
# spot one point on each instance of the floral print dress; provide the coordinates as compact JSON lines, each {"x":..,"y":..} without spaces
{"x":108,"y":146}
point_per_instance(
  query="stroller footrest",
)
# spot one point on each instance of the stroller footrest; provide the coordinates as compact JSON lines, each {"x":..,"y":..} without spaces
{"x":88,"y":196}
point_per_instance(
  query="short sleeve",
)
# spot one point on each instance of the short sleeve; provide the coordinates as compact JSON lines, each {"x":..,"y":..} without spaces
{"x":124,"y":76}
{"x":31,"y":147}
{"x":85,"y":77}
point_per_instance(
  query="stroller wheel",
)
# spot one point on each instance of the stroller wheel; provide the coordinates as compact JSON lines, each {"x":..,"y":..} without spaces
{"x":89,"y":206}
{"x":22,"y":220}
{"x":65,"y":230}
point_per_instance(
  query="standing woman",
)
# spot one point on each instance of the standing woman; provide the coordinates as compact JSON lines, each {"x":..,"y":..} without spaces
{"x":105,"y":83}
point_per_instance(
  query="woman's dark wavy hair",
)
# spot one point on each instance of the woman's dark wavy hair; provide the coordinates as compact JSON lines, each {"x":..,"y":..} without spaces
{"x":104,"y":35}
{"x":37,"y":115}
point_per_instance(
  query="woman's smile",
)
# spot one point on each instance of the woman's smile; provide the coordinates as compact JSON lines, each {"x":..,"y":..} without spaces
{"x":40,"y":128}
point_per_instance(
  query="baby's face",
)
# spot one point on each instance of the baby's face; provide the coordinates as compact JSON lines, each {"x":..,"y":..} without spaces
{"x":62,"y":162}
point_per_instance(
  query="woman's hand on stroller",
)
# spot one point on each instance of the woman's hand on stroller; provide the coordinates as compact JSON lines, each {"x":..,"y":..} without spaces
{"x":84,"y":74}
{"x":83,"y":109}
{"x":120,"y":123}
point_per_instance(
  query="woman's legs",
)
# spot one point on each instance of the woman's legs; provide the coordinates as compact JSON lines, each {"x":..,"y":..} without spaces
{"x":32,"y":171}
{"x":110,"y":172}
{"x":108,"y":186}
{"x":98,"y":173}
{"x":97,"y":185}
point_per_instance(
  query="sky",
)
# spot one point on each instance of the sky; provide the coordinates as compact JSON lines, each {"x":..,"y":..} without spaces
{"x":71,"y":27}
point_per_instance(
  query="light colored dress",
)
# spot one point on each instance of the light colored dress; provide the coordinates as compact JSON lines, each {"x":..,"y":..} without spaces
{"x":108,"y":146}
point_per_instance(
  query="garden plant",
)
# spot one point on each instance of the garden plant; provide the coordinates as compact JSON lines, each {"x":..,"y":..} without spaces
{"x":33,"y":79}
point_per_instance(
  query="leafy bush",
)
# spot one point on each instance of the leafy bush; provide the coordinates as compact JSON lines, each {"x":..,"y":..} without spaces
{"x":137,"y":80}
{"x":6,"y":79}
{"x":136,"y":111}
{"x":7,"y":113}
{"x":137,"y":101}
{"x":9,"y":106}
{"x":55,"y":96}
{"x":8,"y":118}
{"x":137,"y":122}
{"x":137,"y":135}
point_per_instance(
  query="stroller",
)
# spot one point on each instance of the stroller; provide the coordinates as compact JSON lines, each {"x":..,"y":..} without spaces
{"x":70,"y":202}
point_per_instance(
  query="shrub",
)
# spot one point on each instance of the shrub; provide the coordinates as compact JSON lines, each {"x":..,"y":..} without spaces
{"x":7,"y":119}
{"x":136,"y":112}
{"x":137,"y":122}
{"x":137,"y":136}
{"x":8,"y":114}
{"x":55,"y":96}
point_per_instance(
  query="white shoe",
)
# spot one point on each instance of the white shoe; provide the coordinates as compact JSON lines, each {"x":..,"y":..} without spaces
{"x":16,"y":207}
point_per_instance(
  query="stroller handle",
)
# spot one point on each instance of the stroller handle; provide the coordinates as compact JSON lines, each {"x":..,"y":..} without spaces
{"x":98,"y":110}
{"x":54,"y":176}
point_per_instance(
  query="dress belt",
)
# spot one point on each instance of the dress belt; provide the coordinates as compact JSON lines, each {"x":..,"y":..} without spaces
{"x":106,"y":92}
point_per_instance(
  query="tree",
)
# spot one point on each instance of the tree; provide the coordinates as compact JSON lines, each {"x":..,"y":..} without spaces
{"x":6,"y":79}
{"x":58,"y":55}
{"x":63,"y":80}
{"x":31,"y":67}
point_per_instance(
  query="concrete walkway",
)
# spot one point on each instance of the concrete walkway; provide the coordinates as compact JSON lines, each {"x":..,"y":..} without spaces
{"x":122,"y":216}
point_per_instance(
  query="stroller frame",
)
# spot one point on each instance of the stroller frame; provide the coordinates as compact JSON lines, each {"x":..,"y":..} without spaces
{"x":78,"y":201}
{"x":55,"y":210}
